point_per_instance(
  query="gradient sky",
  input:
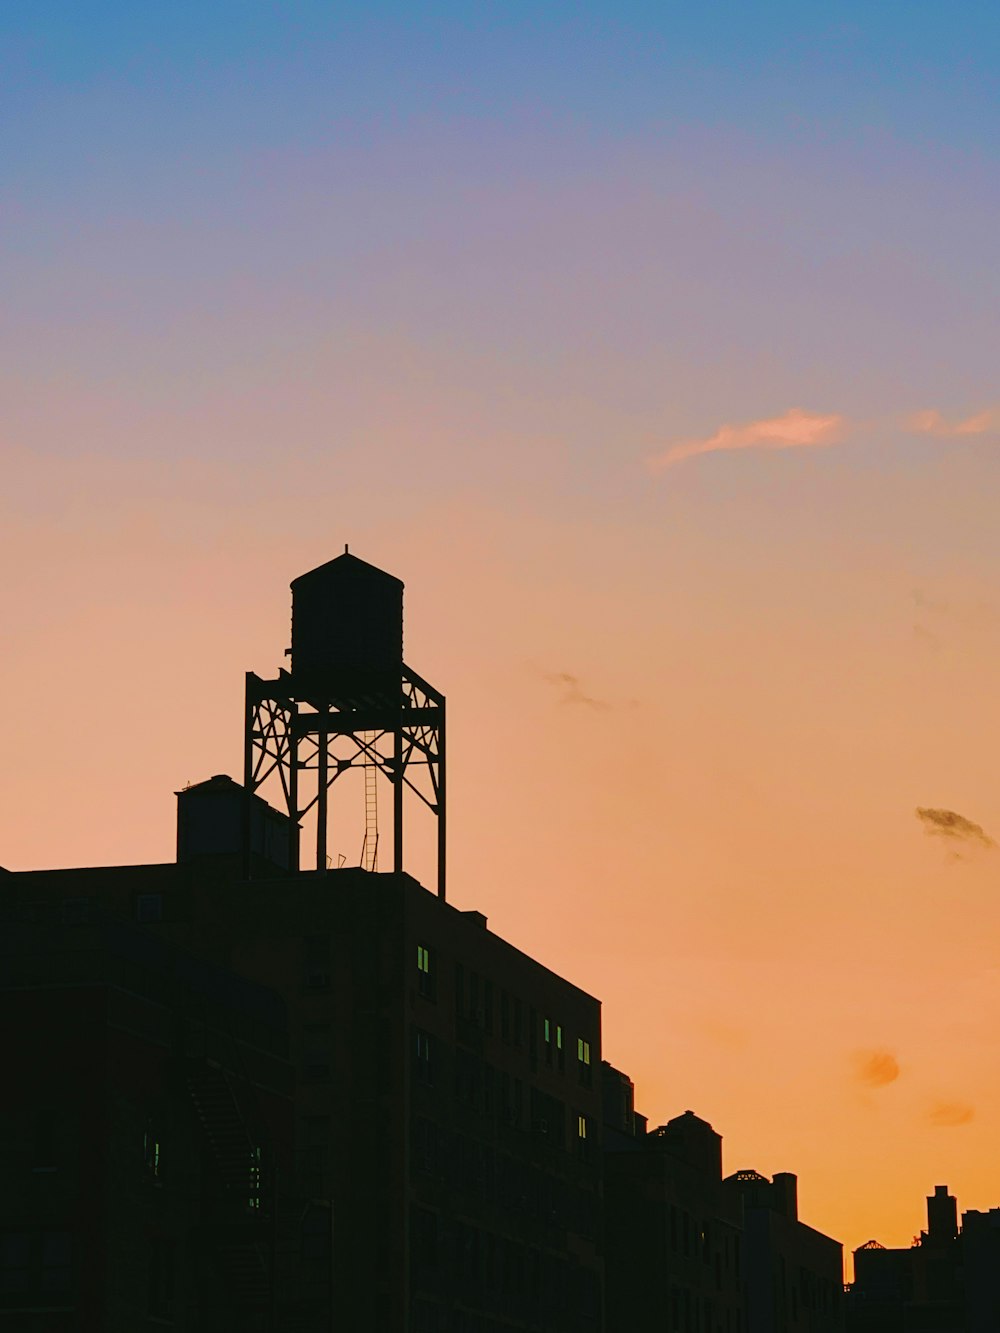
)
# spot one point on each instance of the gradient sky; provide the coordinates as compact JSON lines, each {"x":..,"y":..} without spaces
{"x":655,"y":348}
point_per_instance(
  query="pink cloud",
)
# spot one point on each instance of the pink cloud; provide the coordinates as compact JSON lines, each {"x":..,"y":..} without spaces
{"x":797,"y":429}
{"x":931,"y":422}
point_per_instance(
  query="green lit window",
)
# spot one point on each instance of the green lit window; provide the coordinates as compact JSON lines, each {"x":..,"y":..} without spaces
{"x":558,"y":1037}
{"x":583,"y":1051}
{"x":548,"y":1030}
{"x":425,"y":972}
{"x":151,"y":1152}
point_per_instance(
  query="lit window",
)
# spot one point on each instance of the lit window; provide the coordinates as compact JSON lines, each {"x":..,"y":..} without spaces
{"x":425,"y":972}
{"x":548,"y":1030}
{"x":581,"y":1127}
{"x":558,"y":1037}
{"x":583,"y":1051}
{"x":254,"y":1199}
{"x":151,"y":1152}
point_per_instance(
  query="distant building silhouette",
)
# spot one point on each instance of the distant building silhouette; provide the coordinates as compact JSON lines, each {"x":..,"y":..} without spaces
{"x":687,"y":1249}
{"x":948,"y":1281}
{"x":795,"y":1274}
{"x":372,"y":1112}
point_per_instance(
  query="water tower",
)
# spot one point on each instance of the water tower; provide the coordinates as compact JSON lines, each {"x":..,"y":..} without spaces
{"x":348,"y":702}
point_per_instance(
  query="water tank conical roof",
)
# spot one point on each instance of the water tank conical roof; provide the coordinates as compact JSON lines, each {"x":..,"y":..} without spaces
{"x":347,"y":632}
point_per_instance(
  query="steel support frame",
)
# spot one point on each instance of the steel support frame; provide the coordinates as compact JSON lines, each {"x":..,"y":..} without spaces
{"x":286,"y":736}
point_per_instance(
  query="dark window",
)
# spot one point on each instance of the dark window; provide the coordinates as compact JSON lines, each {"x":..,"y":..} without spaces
{"x":316,"y":1233}
{"x":149,"y":907}
{"x":57,"y":1260}
{"x":517,"y":1022}
{"x":422,"y":1056}
{"x":161,"y":1277}
{"x":460,"y":990}
{"x":425,"y":1240}
{"x":488,"y":1006}
{"x":474,"y":1010}
{"x":43,"y":1150}
{"x":504,"y":1015}
{"x":316,"y":962}
{"x":315,"y":1052}
{"x":15,"y":1262}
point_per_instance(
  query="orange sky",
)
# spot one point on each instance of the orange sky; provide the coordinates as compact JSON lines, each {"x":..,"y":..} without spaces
{"x":658,"y":357}
{"x":713,"y":830}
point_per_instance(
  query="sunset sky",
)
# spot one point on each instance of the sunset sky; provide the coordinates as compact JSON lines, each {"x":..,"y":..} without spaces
{"x":655,"y":347}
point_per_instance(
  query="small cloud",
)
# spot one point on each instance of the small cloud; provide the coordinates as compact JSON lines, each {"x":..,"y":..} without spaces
{"x":931,"y":422}
{"x":954,"y":827}
{"x":875,"y":1069}
{"x":572,"y":691}
{"x":945,"y":1115}
{"x":797,"y":429}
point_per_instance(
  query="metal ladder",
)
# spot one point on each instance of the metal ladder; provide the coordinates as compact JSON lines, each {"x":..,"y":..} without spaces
{"x":369,"y":848}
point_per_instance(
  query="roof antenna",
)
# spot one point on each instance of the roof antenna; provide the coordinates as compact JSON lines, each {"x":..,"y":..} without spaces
{"x":345,"y":548}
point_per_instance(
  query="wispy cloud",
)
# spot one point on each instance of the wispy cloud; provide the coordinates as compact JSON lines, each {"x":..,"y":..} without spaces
{"x":945,"y":1115}
{"x":572,"y":691}
{"x":875,"y":1069}
{"x":796,"y":429}
{"x":931,"y":422}
{"x":953,"y":827}
{"x":801,"y":429}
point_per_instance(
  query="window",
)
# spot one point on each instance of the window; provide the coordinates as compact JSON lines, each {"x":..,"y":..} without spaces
{"x":583,"y":1061}
{"x":253,"y":1199}
{"x":57,"y":1260}
{"x":151,"y":1151}
{"x":488,"y":1006}
{"x":459,"y":990}
{"x":15,"y":1262}
{"x":425,"y":1239}
{"x":43,"y":1153}
{"x":161,"y":1277}
{"x":582,"y":1138}
{"x":316,"y":1233}
{"x":316,"y":962}
{"x":547,"y":1037}
{"x":425,"y":971}
{"x":422,"y":1056}
{"x":149,"y":907}
{"x":315,"y":1052}
{"x":504,"y":1015}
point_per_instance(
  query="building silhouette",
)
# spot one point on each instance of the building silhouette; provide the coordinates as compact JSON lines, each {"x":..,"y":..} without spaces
{"x":368,"y":1110}
{"x":947,"y":1281}
{"x":688,"y":1249}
